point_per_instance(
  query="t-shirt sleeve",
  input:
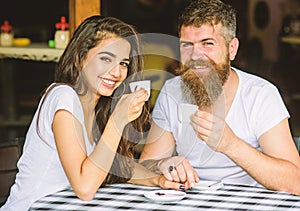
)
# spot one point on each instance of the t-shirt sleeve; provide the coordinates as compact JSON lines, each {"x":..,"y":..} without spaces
{"x":64,"y":98}
{"x":60,"y":98}
{"x":270,"y":109}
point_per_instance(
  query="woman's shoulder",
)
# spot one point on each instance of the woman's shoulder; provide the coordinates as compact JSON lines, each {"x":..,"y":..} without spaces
{"x":60,"y":90}
{"x":60,"y":93}
{"x":61,"y":97}
{"x":55,"y":87}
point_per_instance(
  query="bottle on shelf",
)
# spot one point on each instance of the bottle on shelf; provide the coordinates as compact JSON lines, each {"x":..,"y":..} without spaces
{"x":7,"y":35}
{"x":62,"y":36}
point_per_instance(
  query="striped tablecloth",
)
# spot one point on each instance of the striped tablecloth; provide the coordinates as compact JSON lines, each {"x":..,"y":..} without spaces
{"x":131,"y":197}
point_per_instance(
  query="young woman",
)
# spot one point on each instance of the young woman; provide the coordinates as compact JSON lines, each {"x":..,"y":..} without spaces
{"x":87,"y":123}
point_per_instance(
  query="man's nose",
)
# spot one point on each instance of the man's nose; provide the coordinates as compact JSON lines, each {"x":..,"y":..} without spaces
{"x":197,"y":52}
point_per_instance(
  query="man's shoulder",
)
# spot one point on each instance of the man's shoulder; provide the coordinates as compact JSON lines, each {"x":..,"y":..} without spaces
{"x":248,"y":79}
{"x":176,"y":80}
{"x":251,"y":86}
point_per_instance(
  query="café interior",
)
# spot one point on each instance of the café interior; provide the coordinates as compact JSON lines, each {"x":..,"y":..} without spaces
{"x":268,"y":30}
{"x":269,"y":34}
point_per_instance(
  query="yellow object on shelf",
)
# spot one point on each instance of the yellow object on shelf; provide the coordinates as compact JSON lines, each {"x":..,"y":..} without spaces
{"x":21,"y":42}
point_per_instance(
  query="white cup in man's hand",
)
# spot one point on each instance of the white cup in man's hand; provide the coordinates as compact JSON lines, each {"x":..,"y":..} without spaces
{"x":185,"y":111}
{"x":146,"y":84}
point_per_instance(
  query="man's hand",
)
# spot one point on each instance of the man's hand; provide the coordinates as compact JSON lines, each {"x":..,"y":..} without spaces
{"x":178,"y":169}
{"x":213,"y":130}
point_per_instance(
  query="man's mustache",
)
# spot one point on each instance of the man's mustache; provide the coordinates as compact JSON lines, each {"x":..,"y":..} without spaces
{"x":197,"y":64}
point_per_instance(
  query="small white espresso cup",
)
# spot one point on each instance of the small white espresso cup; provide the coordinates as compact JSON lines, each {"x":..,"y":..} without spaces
{"x":185,"y":111}
{"x":146,"y":84}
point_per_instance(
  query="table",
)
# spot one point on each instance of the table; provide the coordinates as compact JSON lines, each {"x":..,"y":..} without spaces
{"x":131,"y":197}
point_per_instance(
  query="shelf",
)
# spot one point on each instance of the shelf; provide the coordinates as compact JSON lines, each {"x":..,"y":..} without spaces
{"x":296,"y":96}
{"x":291,"y":40}
{"x":35,"y":52}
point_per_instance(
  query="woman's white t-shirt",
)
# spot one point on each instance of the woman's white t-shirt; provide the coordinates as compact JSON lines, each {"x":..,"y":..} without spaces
{"x":40,"y":170}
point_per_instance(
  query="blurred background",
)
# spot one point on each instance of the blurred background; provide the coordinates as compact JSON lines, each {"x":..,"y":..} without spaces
{"x":269,"y":33}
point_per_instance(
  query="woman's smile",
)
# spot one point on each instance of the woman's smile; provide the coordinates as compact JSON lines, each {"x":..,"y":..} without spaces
{"x":108,"y":83}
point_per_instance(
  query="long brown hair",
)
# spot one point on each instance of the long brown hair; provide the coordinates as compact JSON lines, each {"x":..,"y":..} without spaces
{"x":87,"y":36}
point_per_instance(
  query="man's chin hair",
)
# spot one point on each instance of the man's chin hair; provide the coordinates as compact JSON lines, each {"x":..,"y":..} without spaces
{"x":181,"y":70}
{"x":194,"y":90}
{"x":205,"y":90}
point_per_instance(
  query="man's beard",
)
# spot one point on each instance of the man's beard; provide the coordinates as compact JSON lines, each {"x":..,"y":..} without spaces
{"x":203,"y":89}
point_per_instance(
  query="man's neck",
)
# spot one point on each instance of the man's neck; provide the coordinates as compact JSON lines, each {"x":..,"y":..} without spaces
{"x":222,"y":105}
{"x":230,"y":88}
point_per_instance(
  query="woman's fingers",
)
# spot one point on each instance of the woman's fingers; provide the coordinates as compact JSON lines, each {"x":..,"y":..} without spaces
{"x":131,"y":105}
{"x":137,"y":102}
{"x":141,"y":95}
{"x":167,"y":184}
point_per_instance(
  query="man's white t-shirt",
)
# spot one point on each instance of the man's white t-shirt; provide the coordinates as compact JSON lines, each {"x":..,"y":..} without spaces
{"x":256,"y":108}
{"x":40,"y":170}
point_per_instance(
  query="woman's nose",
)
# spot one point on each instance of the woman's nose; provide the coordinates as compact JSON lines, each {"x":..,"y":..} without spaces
{"x":115,"y":70}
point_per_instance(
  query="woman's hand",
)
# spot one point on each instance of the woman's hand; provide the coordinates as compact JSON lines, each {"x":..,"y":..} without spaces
{"x":167,"y":184}
{"x":143,"y":176}
{"x":129,"y":107}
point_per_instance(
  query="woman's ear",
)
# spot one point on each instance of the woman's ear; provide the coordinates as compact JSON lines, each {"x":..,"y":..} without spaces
{"x":233,"y":48}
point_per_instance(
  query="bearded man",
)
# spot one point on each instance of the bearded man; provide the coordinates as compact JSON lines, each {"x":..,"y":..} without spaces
{"x":240,"y":132}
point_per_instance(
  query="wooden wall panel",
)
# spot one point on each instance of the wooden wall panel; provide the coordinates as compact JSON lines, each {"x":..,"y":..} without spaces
{"x":81,"y":9}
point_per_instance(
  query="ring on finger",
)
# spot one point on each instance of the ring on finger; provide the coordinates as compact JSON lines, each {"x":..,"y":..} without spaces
{"x":171,"y":168}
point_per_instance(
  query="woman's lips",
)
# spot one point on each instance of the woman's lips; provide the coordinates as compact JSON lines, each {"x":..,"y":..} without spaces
{"x":108,"y":83}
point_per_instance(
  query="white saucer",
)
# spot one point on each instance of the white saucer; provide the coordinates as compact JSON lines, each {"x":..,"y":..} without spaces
{"x":208,"y":185}
{"x":165,"y":195}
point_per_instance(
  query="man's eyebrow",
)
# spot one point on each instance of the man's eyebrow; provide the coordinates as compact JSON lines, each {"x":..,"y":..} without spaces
{"x":185,"y":42}
{"x":207,"y":39}
{"x":203,"y":40}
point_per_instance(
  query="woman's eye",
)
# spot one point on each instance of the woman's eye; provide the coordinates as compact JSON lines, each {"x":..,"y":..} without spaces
{"x":105,"y":58}
{"x":124,"y":64}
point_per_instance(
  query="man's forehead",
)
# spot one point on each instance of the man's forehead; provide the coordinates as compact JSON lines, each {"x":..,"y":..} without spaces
{"x":191,"y":33}
{"x":206,"y":26}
